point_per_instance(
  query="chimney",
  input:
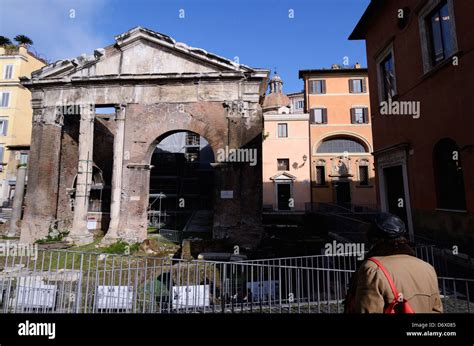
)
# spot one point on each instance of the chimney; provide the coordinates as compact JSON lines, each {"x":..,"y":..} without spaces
{"x":357,"y":65}
{"x":335,"y":67}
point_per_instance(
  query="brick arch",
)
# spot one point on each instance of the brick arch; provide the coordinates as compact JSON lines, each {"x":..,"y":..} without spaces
{"x":215,"y":143}
{"x":207,"y":119}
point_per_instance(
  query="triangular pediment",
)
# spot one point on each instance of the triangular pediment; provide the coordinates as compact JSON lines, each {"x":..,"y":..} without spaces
{"x":283,"y":177}
{"x":141,"y":51}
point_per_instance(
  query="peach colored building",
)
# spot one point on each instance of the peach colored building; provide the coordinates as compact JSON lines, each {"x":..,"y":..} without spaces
{"x":341,"y":162}
{"x":286,"y":165}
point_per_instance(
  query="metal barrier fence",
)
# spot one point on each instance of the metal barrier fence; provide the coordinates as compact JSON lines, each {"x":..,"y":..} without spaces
{"x":71,"y":282}
{"x":346,"y":261}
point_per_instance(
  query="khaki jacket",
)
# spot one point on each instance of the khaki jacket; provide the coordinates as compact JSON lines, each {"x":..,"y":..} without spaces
{"x":414,"y":278}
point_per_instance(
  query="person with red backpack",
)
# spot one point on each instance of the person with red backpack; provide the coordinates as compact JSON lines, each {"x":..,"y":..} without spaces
{"x":391,"y":279}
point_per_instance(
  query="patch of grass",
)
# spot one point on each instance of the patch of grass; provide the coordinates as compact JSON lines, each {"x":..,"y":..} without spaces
{"x":9,"y":238}
{"x":121,"y":248}
{"x":118,"y":248}
{"x":54,"y":235}
{"x":88,"y":247}
{"x":152,"y":229}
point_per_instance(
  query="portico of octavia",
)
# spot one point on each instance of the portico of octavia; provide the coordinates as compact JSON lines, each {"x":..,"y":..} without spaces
{"x":156,"y":86}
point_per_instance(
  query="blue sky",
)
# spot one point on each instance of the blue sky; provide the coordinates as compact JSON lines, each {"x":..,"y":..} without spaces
{"x":258,"y":32}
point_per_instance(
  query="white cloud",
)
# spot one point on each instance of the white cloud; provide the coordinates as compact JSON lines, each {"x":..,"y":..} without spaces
{"x":49,"y":24}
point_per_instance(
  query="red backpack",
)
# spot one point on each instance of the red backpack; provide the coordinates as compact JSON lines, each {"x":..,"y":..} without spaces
{"x":399,"y":305}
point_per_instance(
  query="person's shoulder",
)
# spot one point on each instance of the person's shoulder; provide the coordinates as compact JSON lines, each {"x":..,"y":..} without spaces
{"x":370,"y":266}
{"x":417,"y":261}
{"x":405,"y":261}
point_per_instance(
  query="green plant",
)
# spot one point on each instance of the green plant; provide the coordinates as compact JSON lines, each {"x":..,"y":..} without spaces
{"x":121,"y":247}
{"x":5,"y":41}
{"x":152,"y":229}
{"x":265,"y":135}
{"x":24,"y":40}
{"x":54,"y":235}
{"x":11,"y":48}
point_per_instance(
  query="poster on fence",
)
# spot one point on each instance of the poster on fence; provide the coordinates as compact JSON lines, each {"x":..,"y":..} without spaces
{"x":33,"y":293}
{"x":114,"y":297}
{"x":190,"y":296}
{"x":262,"y":290}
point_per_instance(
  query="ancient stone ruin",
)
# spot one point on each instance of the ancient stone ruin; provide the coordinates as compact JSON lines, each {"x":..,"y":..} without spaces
{"x":84,"y":161}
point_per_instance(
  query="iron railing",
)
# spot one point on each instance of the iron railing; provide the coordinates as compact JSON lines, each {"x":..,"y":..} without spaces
{"x":347,"y":261}
{"x":58,"y":281}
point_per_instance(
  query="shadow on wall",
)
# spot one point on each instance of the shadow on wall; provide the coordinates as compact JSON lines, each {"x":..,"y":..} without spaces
{"x":293,"y":195}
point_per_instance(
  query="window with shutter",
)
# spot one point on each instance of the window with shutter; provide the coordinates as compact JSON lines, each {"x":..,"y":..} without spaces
{"x":355,"y":86}
{"x":319,"y":116}
{"x":441,"y":32}
{"x":317,"y":87}
{"x":438,"y":33}
{"x":357,"y":116}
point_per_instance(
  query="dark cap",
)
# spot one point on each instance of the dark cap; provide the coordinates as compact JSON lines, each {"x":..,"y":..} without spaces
{"x":389,"y":226}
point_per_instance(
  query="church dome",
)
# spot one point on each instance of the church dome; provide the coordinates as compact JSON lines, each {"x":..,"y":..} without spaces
{"x":276,"y":98}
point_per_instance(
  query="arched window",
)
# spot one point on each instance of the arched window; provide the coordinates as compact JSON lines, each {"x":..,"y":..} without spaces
{"x":340,"y":145}
{"x":448,"y":175}
{"x":97,"y":178}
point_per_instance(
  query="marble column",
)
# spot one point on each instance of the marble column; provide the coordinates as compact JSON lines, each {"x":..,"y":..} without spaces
{"x":17,"y":201}
{"x":79,"y":233}
{"x":117,"y":176}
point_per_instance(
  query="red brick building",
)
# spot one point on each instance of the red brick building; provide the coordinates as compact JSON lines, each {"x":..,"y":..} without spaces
{"x":421,"y":70}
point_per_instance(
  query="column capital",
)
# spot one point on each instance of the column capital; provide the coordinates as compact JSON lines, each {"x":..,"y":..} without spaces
{"x":38,"y":115}
{"x":49,"y":115}
{"x":236,"y":108}
{"x":87,"y":114}
{"x":120,"y":110}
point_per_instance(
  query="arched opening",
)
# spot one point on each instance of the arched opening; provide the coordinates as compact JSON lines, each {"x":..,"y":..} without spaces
{"x":98,"y":212}
{"x":449,"y":180}
{"x":99,"y":195}
{"x":181,"y":192}
{"x":341,"y":144}
{"x":336,"y":166}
